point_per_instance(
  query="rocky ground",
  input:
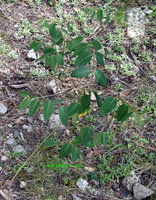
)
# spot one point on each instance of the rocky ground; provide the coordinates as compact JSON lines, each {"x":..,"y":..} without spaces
{"x":126,"y":168}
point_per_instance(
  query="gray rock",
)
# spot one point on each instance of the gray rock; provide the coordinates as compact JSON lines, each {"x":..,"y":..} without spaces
{"x":52,"y":87}
{"x":31,"y":55}
{"x":129,"y":181}
{"x":75,"y":197}
{"x":55,"y":121}
{"x":28,"y":128}
{"x":22,"y":136}
{"x":23,"y":184}
{"x":82,"y":184}
{"x":141,"y":192}
{"x":16,"y":134}
{"x":11,"y":142}
{"x":19,"y":149}
{"x":3,"y":109}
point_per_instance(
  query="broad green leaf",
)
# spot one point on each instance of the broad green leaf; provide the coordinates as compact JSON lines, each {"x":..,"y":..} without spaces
{"x":91,"y":176}
{"x":107,"y":106}
{"x":100,"y":77}
{"x":85,"y":101}
{"x":86,"y":135}
{"x":53,"y":62}
{"x":104,"y":138}
{"x":92,"y":12}
{"x":33,"y":107}
{"x":48,"y":109}
{"x":96,"y":45}
{"x":122,"y":111}
{"x":100,"y":14}
{"x":76,"y":141}
{"x":80,"y":48}
{"x":65,"y":150}
{"x":72,"y":108}
{"x":56,"y":35}
{"x":63,"y":113}
{"x":81,"y":72}
{"x":89,"y":144}
{"x":44,"y":23}
{"x":58,"y":101}
{"x":83,"y":58}
{"x":97,"y":139}
{"x":49,"y":143}
{"x":36,"y":45}
{"x":75,"y":42}
{"x":75,"y":154}
{"x":47,"y":60}
{"x":25,"y":103}
{"x":86,"y":10}
{"x":24,"y":93}
{"x":126,"y":116}
{"x":98,"y":99}
{"x":99,"y":58}
{"x":49,"y":51}
{"x":107,"y":18}
{"x":69,"y":28}
{"x":59,"y":59}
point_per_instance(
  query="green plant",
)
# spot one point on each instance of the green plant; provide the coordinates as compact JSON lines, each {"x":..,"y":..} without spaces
{"x":84,"y":54}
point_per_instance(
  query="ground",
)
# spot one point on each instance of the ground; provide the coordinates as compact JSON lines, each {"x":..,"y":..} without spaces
{"x":130,"y":146}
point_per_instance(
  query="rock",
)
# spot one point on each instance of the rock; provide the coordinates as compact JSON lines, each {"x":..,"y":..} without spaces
{"x":31,"y":55}
{"x":22,"y":184}
{"x":93,"y":97}
{"x":55,"y":121}
{"x":3,"y":109}
{"x":22,"y":136}
{"x":28,"y":128}
{"x":11,"y":142}
{"x":141,"y":192}
{"x":4,"y":158}
{"x":51,"y":87}
{"x":16,"y":134}
{"x":129,"y":181}
{"x":82,"y":184}
{"x":19,"y":149}
{"x":60,"y":197}
{"x":75,"y":197}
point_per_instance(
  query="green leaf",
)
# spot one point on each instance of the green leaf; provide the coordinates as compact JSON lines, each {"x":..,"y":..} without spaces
{"x":25,"y":103}
{"x":107,"y":106}
{"x":92,"y":12}
{"x":126,"y":116}
{"x":76,"y":141}
{"x":104,"y":138}
{"x":72,"y":108}
{"x":80,"y":48}
{"x":63,"y":113}
{"x":59,"y":59}
{"x":96,"y":45}
{"x":52,"y":62}
{"x":65,"y":150}
{"x":36,"y":45}
{"x":48,"y":109}
{"x":97,"y":139}
{"x":107,"y":18}
{"x":86,"y":135}
{"x":98,"y":99}
{"x":100,"y":77}
{"x":85,"y":101}
{"x":81,"y":72}
{"x":91,"y":176}
{"x":33,"y":107}
{"x":49,"y":51}
{"x":100,"y":14}
{"x":56,"y":35}
{"x":86,"y":10}
{"x":69,"y":28}
{"x":89,"y":144}
{"x":122,"y":111}
{"x":49,"y":143}
{"x":83,"y":58}
{"x":58,"y":101}
{"x":99,"y":58}
{"x":75,"y":42}
{"x":24,"y":93}
{"x":75,"y":154}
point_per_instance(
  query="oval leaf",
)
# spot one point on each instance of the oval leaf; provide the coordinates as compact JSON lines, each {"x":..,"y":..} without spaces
{"x":126,"y":116}
{"x":100,"y":14}
{"x":86,"y":135}
{"x":97,"y":139}
{"x":24,"y":93}
{"x":65,"y":150}
{"x":83,"y":58}
{"x":98,"y":99}
{"x":100,"y":77}
{"x":96,"y":45}
{"x":85,"y":101}
{"x":63,"y":113}
{"x":59,"y":59}
{"x":33,"y":107}
{"x":24,"y":103}
{"x":107,"y":106}
{"x":75,"y":154}
{"x":81,"y":72}
{"x":72,"y":108}
{"x":48,"y":109}
{"x":104,"y":138}
{"x":48,"y":143}
{"x":99,"y":58}
{"x":122,"y":111}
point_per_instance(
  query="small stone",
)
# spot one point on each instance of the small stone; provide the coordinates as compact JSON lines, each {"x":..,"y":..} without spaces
{"x":60,"y":197}
{"x":141,"y":192}
{"x":16,"y":134}
{"x":3,"y":108}
{"x":82,"y":184}
{"x":19,"y":149}
{"x":11,"y":142}
{"x":55,"y":121}
{"x":75,"y":197}
{"x":22,"y":136}
{"x":93,"y":97}
{"x":29,"y":129}
{"x":129,"y":181}
{"x":51,"y":87}
{"x":25,"y":126}
{"x":31,"y":55}
{"x":22,"y":184}
{"x":4,"y":158}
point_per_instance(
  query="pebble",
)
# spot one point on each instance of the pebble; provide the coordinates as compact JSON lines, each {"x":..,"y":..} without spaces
{"x":19,"y":149}
{"x":141,"y":192}
{"x":3,"y":108}
{"x":4,"y":158}
{"x":82,"y":184}
{"x":11,"y":142}
{"x":22,"y":184}
{"x":16,"y":134}
{"x":51,"y":87}
{"x":31,"y":55}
